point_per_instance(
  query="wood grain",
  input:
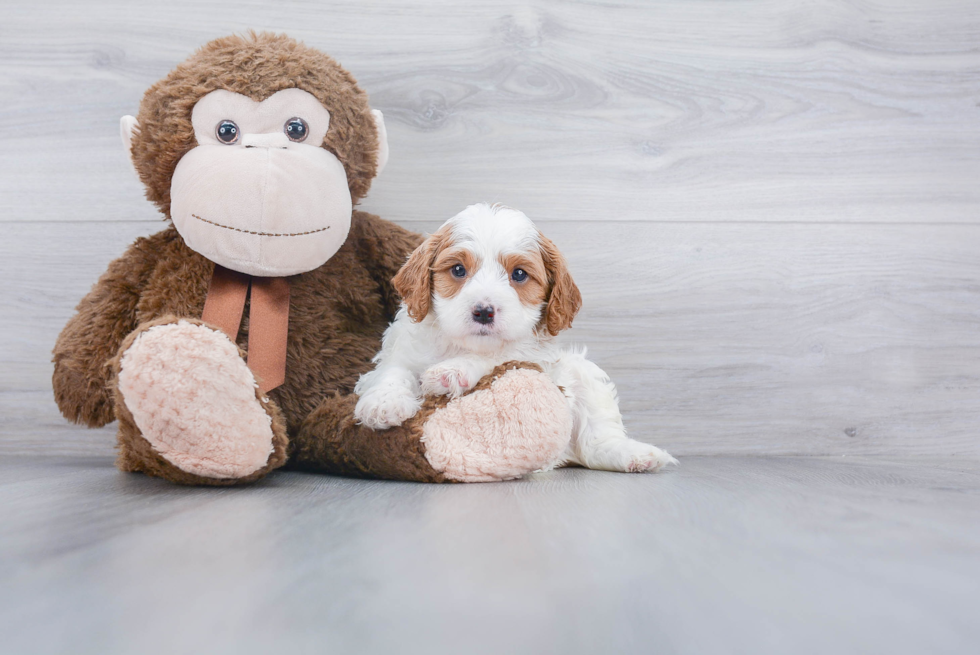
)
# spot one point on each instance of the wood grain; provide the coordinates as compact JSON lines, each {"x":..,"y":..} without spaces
{"x":744,"y":554}
{"x":833,"y":111}
{"x":722,"y":338}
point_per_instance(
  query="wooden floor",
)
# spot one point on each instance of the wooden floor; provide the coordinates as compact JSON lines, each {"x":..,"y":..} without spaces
{"x":773,"y":210}
{"x":721,"y":555}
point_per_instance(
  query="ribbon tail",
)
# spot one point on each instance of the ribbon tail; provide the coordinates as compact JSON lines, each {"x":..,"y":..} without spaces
{"x":225,"y":302}
{"x":268,"y":326}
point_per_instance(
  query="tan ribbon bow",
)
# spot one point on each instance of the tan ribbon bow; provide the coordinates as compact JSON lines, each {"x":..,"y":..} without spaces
{"x":268,"y":319}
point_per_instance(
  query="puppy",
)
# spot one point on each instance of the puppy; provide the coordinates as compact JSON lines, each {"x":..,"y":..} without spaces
{"x":484,"y":289}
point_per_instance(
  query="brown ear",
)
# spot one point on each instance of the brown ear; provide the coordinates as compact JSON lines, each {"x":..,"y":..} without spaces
{"x":413,"y":281}
{"x":564,"y":298}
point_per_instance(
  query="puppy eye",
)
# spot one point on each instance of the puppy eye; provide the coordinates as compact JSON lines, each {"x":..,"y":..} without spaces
{"x":296,"y":129}
{"x":519,"y":275}
{"x":227,"y":132}
{"x":458,"y":270}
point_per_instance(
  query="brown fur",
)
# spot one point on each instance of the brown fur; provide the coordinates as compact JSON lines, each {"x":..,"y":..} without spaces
{"x":534,"y":289}
{"x":93,"y":335}
{"x":255,"y":65}
{"x":137,"y":455}
{"x":337,"y":311}
{"x":444,"y":283}
{"x":331,"y":435}
{"x":331,"y":441}
{"x":337,"y":315}
{"x":414,"y":280}
{"x":428,"y":270}
{"x":564,"y":298}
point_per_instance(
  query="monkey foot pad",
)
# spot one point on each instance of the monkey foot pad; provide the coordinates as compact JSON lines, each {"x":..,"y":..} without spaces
{"x":515,"y":423}
{"x":195,"y":400}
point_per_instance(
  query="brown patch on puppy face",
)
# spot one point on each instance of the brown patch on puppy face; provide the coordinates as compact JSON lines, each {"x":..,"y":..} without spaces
{"x":413,"y":282}
{"x":445,"y":284}
{"x":564,"y":298}
{"x":534,"y":289}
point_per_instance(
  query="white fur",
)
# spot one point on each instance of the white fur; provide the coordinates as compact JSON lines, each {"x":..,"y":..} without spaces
{"x":447,"y":352}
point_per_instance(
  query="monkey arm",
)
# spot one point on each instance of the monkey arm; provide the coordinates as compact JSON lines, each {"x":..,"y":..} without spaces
{"x":513,"y":421}
{"x":92,"y":337}
{"x":383,"y":247}
{"x":331,"y":441}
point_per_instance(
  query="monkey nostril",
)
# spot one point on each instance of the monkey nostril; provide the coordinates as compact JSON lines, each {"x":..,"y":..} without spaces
{"x":272,"y":140}
{"x":483,"y":314}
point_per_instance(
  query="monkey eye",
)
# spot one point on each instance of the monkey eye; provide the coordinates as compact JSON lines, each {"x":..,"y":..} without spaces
{"x":227,"y":132}
{"x":519,"y":275}
{"x":296,"y":129}
{"x":458,"y":270}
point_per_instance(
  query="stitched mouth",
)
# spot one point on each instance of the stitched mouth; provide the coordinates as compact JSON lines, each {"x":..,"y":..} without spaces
{"x":260,"y":234}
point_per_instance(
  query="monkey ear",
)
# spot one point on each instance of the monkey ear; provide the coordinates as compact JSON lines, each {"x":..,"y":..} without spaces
{"x":564,"y":298}
{"x":128,"y":128}
{"x":379,"y":122}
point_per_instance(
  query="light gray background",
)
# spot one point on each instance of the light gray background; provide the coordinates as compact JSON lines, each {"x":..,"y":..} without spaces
{"x":772,"y":211}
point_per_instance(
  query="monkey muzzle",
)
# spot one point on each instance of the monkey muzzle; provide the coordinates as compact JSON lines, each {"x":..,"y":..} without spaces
{"x":266,"y":207}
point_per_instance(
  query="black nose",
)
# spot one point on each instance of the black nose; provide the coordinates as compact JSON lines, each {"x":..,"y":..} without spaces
{"x":483,"y":314}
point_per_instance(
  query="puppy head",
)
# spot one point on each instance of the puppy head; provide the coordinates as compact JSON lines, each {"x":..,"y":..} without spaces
{"x":489,"y":276}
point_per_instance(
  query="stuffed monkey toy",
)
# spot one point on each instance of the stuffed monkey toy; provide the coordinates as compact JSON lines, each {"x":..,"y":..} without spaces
{"x":228,"y":344}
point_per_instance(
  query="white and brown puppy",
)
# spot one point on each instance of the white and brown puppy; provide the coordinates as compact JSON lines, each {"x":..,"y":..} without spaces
{"x":485,"y":289}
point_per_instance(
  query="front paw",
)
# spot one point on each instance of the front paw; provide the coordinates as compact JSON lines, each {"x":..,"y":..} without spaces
{"x":380,"y":409}
{"x":445,"y":379}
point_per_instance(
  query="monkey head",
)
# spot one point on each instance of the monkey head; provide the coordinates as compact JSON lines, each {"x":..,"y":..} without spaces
{"x":257,"y":148}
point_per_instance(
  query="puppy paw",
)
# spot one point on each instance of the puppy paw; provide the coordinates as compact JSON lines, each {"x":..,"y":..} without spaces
{"x":445,"y":379}
{"x":619,"y":453}
{"x":644,"y":458}
{"x":380,"y":409}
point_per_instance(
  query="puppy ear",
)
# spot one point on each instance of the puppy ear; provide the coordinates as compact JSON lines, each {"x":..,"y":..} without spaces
{"x":413,"y":281}
{"x":564,"y":298}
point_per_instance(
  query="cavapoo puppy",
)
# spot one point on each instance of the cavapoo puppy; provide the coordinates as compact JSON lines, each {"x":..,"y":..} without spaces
{"x":484,"y":289}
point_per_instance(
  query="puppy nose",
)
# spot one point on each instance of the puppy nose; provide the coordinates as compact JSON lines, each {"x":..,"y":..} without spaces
{"x":483,"y":314}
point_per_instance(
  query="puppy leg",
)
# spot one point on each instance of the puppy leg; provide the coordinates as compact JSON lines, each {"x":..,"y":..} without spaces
{"x":454,"y":376}
{"x":599,"y":438}
{"x":388,"y":396}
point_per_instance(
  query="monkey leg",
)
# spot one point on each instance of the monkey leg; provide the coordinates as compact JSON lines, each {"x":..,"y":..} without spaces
{"x":189,"y":409}
{"x":513,"y":422}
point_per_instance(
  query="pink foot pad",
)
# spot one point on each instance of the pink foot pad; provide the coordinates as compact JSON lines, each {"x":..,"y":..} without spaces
{"x":520,"y":424}
{"x":194,"y":400}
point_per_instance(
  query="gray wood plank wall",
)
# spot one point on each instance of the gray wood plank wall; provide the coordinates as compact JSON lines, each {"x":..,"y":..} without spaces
{"x":771,"y":207}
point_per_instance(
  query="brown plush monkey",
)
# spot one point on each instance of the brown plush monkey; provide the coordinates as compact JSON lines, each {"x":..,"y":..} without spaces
{"x":256,"y":149}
